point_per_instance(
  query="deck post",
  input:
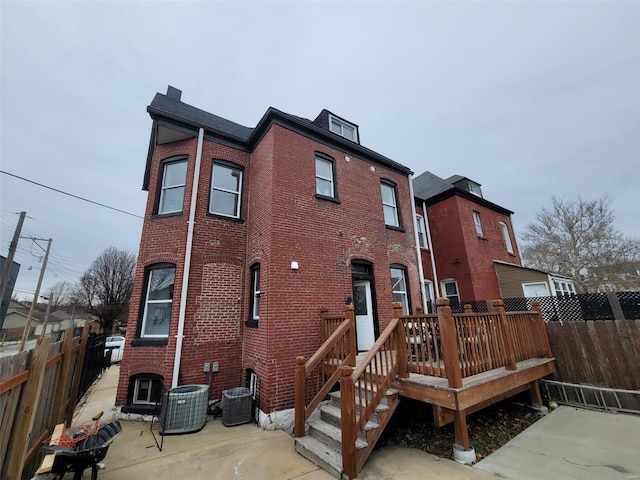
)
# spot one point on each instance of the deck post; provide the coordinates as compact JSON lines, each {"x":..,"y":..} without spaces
{"x":534,"y":393}
{"x":348,"y":422}
{"x":300,"y":407}
{"x":468,"y":308}
{"x":401,"y":342}
{"x":349,"y":314}
{"x":510,"y":356}
{"x":461,"y":430}
{"x":449,"y":339}
{"x":324,"y":313}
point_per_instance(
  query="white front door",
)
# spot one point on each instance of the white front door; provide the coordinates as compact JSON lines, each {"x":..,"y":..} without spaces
{"x":364,"y":314}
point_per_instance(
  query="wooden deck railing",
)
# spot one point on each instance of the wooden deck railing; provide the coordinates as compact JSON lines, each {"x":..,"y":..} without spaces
{"x":316,"y":377}
{"x":366,"y":385}
{"x":424,"y":350}
{"x":329,"y":324}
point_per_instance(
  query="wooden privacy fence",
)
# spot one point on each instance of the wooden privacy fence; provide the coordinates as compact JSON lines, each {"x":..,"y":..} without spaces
{"x":602,"y":353}
{"x":38,"y":390}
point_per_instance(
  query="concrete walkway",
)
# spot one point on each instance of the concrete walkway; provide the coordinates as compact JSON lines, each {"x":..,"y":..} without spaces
{"x":567,"y":444}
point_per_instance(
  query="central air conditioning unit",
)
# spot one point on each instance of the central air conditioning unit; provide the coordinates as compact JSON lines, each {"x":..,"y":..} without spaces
{"x":184,"y":409}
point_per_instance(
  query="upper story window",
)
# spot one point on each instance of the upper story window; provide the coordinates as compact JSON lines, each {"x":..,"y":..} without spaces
{"x":475,"y":188}
{"x":158,"y":301}
{"x":450,"y":291}
{"x":478,"y":223}
{"x":254,"y":315}
{"x":174,"y":174}
{"x":226,"y":190}
{"x":342,"y":128}
{"x":421,"y":231}
{"x":505,"y":235}
{"x":390,"y":204}
{"x":563,"y":287}
{"x":325,"y":177}
{"x":399,"y":287}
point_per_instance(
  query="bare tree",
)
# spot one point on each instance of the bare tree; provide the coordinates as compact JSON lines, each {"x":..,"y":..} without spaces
{"x":577,"y":239}
{"x":105,"y":289}
{"x":61,"y":295}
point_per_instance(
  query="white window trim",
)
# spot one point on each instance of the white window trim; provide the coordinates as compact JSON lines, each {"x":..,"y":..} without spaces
{"x":444,"y":289}
{"x":475,"y":189}
{"x":566,"y":286}
{"x":506,"y":237}
{"x":392,"y":205}
{"x":326,"y":179}
{"x":148,"y":302}
{"x":422,"y":232}
{"x":165,"y":187}
{"x":238,"y":193}
{"x":404,"y":293}
{"x":478,"y":223}
{"x":343,"y":124}
{"x":136,"y":390}
{"x":428,"y":288}
{"x":255,"y":293}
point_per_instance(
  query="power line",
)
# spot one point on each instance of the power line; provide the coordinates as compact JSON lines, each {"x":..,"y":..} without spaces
{"x":70,"y":194}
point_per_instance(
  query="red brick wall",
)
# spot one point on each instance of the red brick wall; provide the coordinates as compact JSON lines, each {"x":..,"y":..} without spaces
{"x":461,"y":254}
{"x":283,"y":221}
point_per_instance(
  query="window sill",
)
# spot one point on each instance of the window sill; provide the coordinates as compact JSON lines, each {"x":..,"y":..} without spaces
{"x":157,"y":216}
{"x":330,"y":199}
{"x":251,"y":323}
{"x":149,"y":342}
{"x":225,"y":217}
{"x":397,"y":229}
{"x":141,"y":409}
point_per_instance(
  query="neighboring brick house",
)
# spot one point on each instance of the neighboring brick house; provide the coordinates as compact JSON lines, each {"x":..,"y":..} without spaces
{"x":288,"y":217}
{"x":463,"y":235}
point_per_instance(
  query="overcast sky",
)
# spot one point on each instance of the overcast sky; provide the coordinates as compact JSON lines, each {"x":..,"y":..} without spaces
{"x":530,"y":99}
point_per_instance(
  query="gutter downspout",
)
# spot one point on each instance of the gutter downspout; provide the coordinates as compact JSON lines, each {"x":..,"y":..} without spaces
{"x":187,"y":261}
{"x":417,"y":244}
{"x":436,"y":283}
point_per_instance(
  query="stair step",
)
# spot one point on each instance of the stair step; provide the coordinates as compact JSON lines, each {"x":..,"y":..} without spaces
{"x":331,"y":435}
{"x":332,"y":415}
{"x":383,"y":406}
{"x":319,"y":453}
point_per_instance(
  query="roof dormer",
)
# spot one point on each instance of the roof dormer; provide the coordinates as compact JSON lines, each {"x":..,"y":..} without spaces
{"x":338,"y":125}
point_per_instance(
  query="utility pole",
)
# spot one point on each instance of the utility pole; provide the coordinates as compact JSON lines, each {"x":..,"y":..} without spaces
{"x":4,"y":280}
{"x":36,"y":295}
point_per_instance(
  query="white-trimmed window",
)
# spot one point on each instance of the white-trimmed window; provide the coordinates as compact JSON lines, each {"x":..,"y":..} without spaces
{"x":563,"y":287}
{"x":505,"y":235}
{"x":226,"y":190}
{"x":343,"y":128}
{"x":421,"y":231}
{"x":428,"y":291}
{"x":478,"y":223}
{"x":450,"y":291}
{"x":147,"y":389}
{"x":158,"y":302}
{"x":172,"y":189}
{"x":390,"y":204}
{"x":399,"y":287}
{"x":255,"y":293}
{"x":475,"y":189}
{"x":325,"y":179}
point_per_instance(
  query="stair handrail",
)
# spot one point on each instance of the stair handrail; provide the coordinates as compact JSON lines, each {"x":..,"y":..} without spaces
{"x":343,"y":336}
{"x":386,"y":360}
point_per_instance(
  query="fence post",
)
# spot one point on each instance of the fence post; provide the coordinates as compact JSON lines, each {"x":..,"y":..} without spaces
{"x":498,"y":307}
{"x":300,"y":407}
{"x":449,"y":340}
{"x":324,"y":313}
{"x":350,"y":315}
{"x":77,"y":374}
{"x":468,"y":308}
{"x":616,"y":308}
{"x":542,"y":326}
{"x":63,"y":373}
{"x":401,"y":341}
{"x":27,"y":407}
{"x":348,"y":422}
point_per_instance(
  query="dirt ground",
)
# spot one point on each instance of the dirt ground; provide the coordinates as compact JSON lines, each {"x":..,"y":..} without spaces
{"x":412,"y":426}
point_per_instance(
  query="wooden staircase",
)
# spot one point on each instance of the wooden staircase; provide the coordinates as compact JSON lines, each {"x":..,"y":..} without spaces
{"x":323,"y":443}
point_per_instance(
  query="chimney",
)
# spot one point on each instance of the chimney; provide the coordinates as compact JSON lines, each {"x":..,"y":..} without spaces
{"x":174,"y":93}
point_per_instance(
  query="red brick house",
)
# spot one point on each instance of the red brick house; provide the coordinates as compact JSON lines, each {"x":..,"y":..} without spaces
{"x":461,"y":237}
{"x":248,"y":233}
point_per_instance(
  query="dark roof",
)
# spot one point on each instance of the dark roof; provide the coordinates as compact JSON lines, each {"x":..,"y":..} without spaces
{"x":431,"y":189}
{"x":177,"y":110}
{"x":532,"y":269}
{"x":168,"y":109}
